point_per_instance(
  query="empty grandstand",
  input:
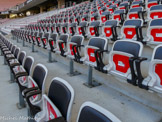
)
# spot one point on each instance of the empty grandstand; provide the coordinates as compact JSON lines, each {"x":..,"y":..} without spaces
{"x":81,"y":61}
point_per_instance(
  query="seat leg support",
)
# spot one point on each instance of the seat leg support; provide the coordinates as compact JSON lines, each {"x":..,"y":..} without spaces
{"x":90,"y":82}
{"x":30,"y":117}
{"x":50,"y":59}
{"x":11,"y":77}
{"x":5,"y":62}
{"x":23,"y":44}
{"x":21,"y":103}
{"x":18,"y":40}
{"x":71,"y":69}
{"x":33,"y":48}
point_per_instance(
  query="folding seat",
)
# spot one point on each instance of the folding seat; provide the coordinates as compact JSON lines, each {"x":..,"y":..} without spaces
{"x":78,"y":19}
{"x":125,"y":6}
{"x":57,"y":104}
{"x":117,"y":3}
{"x":38,"y":38}
{"x":154,"y":32}
{"x":105,"y":16}
{"x":108,"y":4}
{"x":34,"y":37}
{"x":122,"y":59}
{"x":22,"y":72}
{"x":102,"y":10}
{"x":65,"y":28}
{"x":151,"y":3}
{"x":137,"y":4}
{"x":136,"y":13}
{"x":53,"y":26}
{"x":35,"y":88}
{"x":48,"y":27}
{"x":58,"y":28}
{"x":44,"y":40}
{"x":61,"y":20}
{"x":82,"y":28}
{"x":94,"y":10}
{"x":74,"y":46}
{"x":94,"y":52}
{"x":66,"y":19}
{"x":52,"y":41}
{"x":91,"y":112}
{"x":95,"y":28}
{"x":85,"y":17}
{"x":155,"y":12}
{"x":132,"y":29}
{"x":62,"y":44}
{"x":31,"y":37}
{"x":94,"y":17}
{"x":110,"y":30}
{"x":71,"y":19}
{"x":150,"y":80}
{"x":73,"y":28}
{"x":119,"y":15}
{"x":112,"y":8}
{"x":13,"y":54}
{"x":15,"y":64}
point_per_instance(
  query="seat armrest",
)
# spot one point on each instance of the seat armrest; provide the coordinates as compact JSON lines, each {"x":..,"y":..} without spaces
{"x":20,"y":74}
{"x":132,"y":69}
{"x":29,"y":90}
{"x":10,"y":58}
{"x":33,"y":108}
{"x":139,"y":74}
{"x":14,"y":64}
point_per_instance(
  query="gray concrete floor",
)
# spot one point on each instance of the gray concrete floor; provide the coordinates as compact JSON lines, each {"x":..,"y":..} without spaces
{"x":125,"y":108}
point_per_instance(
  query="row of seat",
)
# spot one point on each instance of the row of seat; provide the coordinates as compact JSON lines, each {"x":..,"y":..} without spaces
{"x":132,"y":29}
{"x":123,"y":60}
{"x":55,"y":106}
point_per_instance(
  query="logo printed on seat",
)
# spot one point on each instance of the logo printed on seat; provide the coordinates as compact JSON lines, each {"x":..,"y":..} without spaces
{"x":130,"y":32}
{"x":156,"y":17}
{"x":120,"y":63}
{"x":92,"y":55}
{"x":107,"y":31}
{"x":158,"y":34}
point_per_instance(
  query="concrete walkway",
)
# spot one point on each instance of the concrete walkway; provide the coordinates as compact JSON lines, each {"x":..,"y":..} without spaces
{"x":125,"y":108}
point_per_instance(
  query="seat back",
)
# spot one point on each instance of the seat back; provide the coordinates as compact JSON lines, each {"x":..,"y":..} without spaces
{"x":95,"y":43}
{"x":121,"y":52}
{"x":119,"y":15}
{"x":155,"y":31}
{"x":134,"y":13}
{"x":39,"y":75}
{"x":94,"y":28}
{"x":28,"y":64}
{"x":129,"y":30}
{"x":155,"y":69}
{"x":61,"y":94}
{"x":75,"y":40}
{"x":109,"y":28}
{"x":151,"y":3}
{"x":155,"y":12}
{"x":16,"y":53}
{"x":21,"y":57}
{"x":136,"y":4}
{"x":52,"y":41}
{"x":105,"y":16}
{"x":91,"y":112}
